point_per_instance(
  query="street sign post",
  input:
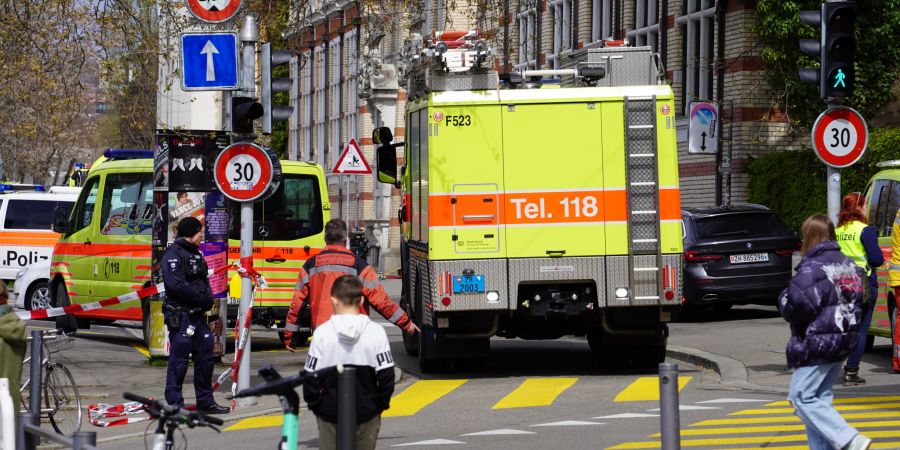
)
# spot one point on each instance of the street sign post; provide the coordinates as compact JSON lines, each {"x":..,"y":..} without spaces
{"x":214,"y":11}
{"x":246,"y":172}
{"x":839,"y":138}
{"x":703,"y":130}
{"x":209,"y":61}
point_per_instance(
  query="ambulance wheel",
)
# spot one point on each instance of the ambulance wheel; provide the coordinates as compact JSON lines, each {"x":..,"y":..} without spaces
{"x":145,"y":321}
{"x":67,"y":323}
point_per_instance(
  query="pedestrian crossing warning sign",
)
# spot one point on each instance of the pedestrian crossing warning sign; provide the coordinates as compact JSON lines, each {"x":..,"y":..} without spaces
{"x":352,"y":161}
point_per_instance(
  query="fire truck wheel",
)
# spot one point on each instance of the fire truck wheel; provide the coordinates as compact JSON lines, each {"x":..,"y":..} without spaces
{"x":648,"y":358}
{"x":67,"y":323}
{"x":870,"y":342}
{"x":427,"y":363}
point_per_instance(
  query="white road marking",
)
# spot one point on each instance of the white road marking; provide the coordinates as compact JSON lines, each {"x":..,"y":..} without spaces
{"x":430,"y":442}
{"x":627,"y":416}
{"x":732,"y":400}
{"x":688,"y":408}
{"x":500,"y":432}
{"x":568,"y":423}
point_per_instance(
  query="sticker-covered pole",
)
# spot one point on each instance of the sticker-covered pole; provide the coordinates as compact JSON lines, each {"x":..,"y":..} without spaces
{"x":834,"y":194}
{"x":246,"y":293}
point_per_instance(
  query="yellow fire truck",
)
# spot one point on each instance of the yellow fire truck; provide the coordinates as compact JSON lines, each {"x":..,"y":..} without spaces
{"x":535,"y":209}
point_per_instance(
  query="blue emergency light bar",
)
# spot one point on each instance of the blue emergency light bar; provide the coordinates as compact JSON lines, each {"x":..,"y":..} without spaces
{"x":117,"y":153}
{"x":6,"y":187}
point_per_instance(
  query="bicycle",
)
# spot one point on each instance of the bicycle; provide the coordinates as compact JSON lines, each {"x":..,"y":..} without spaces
{"x":290,"y":402}
{"x":62,"y":401}
{"x":169,"y":418}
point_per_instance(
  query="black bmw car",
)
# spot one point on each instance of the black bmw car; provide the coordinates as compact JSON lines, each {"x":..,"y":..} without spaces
{"x":735,"y":254}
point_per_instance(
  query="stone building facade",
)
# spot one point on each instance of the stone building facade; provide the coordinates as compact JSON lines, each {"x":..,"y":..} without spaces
{"x":348,"y":85}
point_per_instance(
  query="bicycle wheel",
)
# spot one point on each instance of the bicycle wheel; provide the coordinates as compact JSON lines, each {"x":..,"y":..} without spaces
{"x":62,"y":399}
{"x":25,"y":394}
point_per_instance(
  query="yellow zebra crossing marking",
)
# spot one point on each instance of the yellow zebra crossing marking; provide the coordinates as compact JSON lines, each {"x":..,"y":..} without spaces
{"x":773,"y":428}
{"x":782,"y":419}
{"x":419,"y":395}
{"x":257,"y":422}
{"x":141,"y":349}
{"x":718,"y":442}
{"x":535,"y":392}
{"x":646,"y":389}
{"x":887,"y":406}
{"x":776,"y":428}
{"x":849,"y":400}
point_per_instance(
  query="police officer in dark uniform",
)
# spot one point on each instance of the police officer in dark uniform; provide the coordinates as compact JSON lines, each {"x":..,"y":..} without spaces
{"x":188,"y":296}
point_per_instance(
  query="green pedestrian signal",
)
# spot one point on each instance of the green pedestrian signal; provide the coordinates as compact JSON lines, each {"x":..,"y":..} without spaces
{"x":839,"y":79}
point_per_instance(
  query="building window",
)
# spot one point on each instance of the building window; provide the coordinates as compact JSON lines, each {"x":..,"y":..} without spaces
{"x":321,"y":101}
{"x":562,"y":30}
{"x":698,"y":28}
{"x":352,"y":79}
{"x":334,"y":89}
{"x":526,"y":20}
{"x":601,"y":20}
{"x":306,"y":100}
{"x":646,"y":24}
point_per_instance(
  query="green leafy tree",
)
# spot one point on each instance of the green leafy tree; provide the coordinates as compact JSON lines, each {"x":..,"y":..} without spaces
{"x":877,"y":56}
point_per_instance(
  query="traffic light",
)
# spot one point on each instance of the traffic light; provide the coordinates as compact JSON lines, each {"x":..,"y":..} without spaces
{"x":271,"y":85}
{"x":836,"y":48}
{"x":244,"y":110}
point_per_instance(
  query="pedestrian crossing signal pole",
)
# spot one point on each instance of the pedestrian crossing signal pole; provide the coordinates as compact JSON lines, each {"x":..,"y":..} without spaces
{"x":249,"y":38}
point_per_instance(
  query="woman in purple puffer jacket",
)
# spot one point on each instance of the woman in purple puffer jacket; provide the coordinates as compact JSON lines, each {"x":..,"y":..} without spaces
{"x":822,"y":304}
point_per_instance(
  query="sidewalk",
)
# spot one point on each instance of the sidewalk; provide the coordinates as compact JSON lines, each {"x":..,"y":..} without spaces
{"x":754,"y":338}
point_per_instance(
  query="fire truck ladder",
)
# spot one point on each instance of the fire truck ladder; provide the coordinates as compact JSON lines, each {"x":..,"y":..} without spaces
{"x":642,"y":193}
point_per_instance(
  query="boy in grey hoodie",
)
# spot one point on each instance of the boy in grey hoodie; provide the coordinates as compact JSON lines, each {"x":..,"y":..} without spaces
{"x":351,"y":339}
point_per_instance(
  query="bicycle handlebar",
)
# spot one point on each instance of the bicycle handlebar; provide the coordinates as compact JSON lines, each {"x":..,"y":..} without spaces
{"x":281,"y":385}
{"x":167,"y":412}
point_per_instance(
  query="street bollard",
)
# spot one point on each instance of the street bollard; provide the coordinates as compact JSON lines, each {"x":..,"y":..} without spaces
{"x":346,"y":426}
{"x":83,"y":438}
{"x":34,"y":389}
{"x":26,"y":441}
{"x":669,"y":420}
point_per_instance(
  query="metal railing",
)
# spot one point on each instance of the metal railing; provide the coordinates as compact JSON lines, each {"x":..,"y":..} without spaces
{"x":28,"y":426}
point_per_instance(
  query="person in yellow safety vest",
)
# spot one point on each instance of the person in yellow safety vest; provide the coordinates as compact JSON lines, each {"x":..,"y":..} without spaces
{"x":894,"y":282}
{"x":859,"y":242}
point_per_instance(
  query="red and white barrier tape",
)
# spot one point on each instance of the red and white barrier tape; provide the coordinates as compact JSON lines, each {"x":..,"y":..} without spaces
{"x":124,"y":298}
{"x":241,"y":335}
{"x":71,"y":309}
{"x":98,"y":411}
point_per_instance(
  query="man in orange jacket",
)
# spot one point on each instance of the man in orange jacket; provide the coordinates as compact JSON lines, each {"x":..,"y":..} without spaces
{"x":318,"y":274}
{"x":894,"y":283}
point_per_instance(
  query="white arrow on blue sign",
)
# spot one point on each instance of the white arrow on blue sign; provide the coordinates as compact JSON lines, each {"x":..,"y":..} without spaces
{"x":209,"y":61}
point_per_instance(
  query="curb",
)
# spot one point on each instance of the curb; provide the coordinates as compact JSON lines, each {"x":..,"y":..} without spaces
{"x":732,"y":373}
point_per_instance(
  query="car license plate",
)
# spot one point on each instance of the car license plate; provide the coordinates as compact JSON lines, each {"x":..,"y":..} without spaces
{"x":463,"y":284}
{"x":749,"y":258}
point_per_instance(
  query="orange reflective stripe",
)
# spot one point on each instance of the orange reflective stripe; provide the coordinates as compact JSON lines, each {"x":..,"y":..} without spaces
{"x":105,"y":249}
{"x":29,"y":234}
{"x":541,"y":207}
{"x":670,"y":204}
{"x":287,"y":253}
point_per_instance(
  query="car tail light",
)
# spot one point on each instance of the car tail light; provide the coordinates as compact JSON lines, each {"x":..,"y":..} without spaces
{"x":694,"y":255}
{"x":788,"y":251}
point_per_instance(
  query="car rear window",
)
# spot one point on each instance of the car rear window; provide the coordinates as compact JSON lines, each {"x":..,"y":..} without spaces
{"x":740,"y":225}
{"x":32,"y":214}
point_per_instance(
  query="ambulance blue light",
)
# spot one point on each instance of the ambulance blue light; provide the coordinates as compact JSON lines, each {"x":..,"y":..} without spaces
{"x":116,"y":153}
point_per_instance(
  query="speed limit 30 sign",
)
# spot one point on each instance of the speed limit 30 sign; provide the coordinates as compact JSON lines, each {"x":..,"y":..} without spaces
{"x":246,"y":172}
{"x":840,"y":137}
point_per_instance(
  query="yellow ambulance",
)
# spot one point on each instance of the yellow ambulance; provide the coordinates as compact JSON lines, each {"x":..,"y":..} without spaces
{"x":105,"y":245}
